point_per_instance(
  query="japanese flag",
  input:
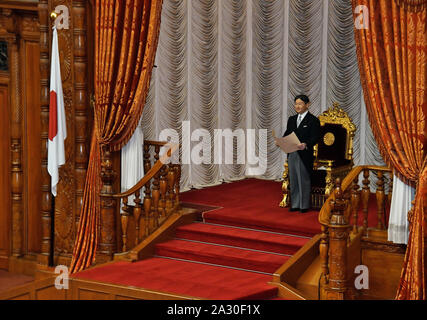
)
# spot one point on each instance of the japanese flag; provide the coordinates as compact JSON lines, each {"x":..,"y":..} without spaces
{"x":57,"y":125}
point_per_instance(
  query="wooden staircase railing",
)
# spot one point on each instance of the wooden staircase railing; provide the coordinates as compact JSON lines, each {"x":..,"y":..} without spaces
{"x":337,"y":233}
{"x":155,"y":196}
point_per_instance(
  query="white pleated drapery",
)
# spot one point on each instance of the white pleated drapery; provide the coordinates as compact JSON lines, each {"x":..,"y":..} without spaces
{"x":401,"y":203}
{"x":132,"y":162}
{"x":238,"y":64}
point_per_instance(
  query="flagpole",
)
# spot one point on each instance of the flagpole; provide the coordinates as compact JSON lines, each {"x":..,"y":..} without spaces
{"x":52,"y":234}
{"x":51,"y":259}
{"x":57,"y":132}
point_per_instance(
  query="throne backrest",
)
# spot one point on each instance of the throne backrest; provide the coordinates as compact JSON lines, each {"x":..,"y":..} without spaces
{"x":336,"y":137}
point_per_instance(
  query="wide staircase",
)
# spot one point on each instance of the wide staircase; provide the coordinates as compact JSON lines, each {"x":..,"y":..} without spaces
{"x":208,"y":261}
{"x":233,"y":242}
{"x":223,"y":253}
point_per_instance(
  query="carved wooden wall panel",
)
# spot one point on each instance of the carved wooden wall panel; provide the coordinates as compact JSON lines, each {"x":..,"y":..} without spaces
{"x":72,"y":45}
{"x":64,"y":202}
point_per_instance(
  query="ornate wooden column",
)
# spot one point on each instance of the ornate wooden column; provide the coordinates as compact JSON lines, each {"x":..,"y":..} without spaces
{"x":46,"y":207}
{"x":80,"y":102}
{"x":107,"y":241}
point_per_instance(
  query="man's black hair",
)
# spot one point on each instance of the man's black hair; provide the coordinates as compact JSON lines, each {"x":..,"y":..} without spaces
{"x":303,"y":97}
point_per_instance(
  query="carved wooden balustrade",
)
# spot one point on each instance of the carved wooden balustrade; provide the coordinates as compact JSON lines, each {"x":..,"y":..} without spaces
{"x":338,"y":232}
{"x":153,"y":199}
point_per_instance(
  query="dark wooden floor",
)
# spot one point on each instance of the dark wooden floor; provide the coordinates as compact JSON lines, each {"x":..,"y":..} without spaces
{"x":10,"y":280}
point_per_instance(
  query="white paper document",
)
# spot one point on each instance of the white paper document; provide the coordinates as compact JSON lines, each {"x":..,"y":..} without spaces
{"x":289,"y":143}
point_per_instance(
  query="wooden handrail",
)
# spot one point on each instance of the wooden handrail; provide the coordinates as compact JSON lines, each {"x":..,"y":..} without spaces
{"x":159,"y":189}
{"x":150,"y":174}
{"x":337,"y":234}
{"x":325,"y":211}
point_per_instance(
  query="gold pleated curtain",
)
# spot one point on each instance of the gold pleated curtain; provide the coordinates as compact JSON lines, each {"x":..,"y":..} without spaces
{"x":392,"y":55}
{"x":126,"y":38}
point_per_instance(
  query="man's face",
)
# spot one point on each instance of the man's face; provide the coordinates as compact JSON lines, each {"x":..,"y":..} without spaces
{"x":300,"y":106}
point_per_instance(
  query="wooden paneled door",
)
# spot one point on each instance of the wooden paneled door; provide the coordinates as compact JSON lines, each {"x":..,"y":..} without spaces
{"x":4,"y":172}
{"x":20,"y":137}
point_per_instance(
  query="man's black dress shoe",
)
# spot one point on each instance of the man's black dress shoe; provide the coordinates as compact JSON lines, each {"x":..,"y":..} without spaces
{"x":294,"y":209}
{"x":304,"y":210}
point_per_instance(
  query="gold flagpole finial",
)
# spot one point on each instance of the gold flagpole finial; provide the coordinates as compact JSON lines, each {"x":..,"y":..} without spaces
{"x":53,"y":15}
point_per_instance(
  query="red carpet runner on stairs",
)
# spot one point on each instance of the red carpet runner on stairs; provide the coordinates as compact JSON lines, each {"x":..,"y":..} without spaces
{"x":243,"y":239}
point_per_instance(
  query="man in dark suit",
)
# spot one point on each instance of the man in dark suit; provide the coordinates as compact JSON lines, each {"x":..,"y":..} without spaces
{"x":300,"y":163}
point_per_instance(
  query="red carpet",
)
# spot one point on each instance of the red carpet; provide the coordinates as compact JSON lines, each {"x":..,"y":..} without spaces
{"x":222,"y":255}
{"x":253,"y":203}
{"x":244,"y":238}
{"x":185,"y":278}
{"x":251,"y":239}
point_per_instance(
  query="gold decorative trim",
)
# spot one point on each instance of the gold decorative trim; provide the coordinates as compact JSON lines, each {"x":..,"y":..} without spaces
{"x":336,"y":115}
{"x":285,"y":187}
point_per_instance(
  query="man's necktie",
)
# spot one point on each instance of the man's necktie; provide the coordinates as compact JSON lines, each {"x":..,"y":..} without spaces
{"x":299,"y":120}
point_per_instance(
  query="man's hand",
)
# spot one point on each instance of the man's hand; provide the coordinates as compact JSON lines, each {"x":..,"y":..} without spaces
{"x":301,"y":146}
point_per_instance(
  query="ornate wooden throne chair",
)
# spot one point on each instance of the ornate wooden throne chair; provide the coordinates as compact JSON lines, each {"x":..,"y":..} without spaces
{"x":333,"y":156}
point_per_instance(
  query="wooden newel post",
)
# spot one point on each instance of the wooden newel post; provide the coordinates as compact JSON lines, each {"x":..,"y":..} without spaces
{"x":177,"y":185}
{"x":380,"y":195}
{"x":323,"y":251}
{"x":338,"y":235}
{"x":107,"y":243}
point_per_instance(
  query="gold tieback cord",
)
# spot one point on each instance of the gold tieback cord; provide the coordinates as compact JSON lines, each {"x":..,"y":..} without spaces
{"x":412,"y":5}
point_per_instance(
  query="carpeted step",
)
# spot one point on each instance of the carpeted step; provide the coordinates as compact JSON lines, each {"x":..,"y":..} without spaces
{"x":184,"y":278}
{"x":252,"y":203}
{"x":239,"y":237}
{"x":222,"y":255}
{"x":286,"y":222}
